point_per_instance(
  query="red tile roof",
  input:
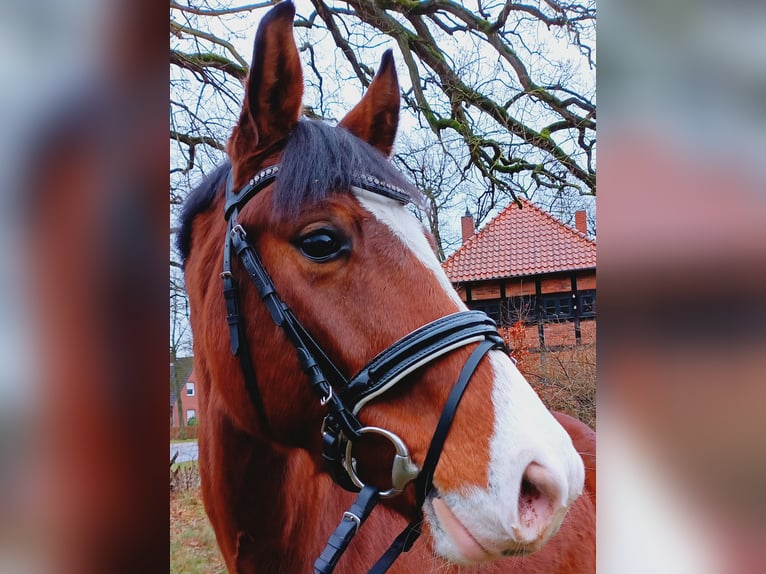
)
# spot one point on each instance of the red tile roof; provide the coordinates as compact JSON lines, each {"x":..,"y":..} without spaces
{"x":520,"y":242}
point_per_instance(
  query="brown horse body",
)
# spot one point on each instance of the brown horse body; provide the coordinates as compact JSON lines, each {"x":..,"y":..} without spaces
{"x":508,"y":472}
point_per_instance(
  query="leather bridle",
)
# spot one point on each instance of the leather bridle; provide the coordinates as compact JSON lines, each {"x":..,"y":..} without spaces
{"x":344,"y":397}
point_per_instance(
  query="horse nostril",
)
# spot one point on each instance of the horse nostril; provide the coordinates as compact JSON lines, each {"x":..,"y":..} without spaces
{"x":540,"y":496}
{"x":528,"y":489}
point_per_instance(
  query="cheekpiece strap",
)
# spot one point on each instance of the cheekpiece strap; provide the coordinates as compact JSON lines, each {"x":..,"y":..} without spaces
{"x":237,"y":337}
{"x":312,"y":359}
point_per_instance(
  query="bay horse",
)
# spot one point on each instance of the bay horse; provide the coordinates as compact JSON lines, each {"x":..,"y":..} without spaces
{"x":327,"y":343}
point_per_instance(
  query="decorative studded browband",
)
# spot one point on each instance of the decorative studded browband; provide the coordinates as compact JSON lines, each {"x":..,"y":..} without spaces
{"x":236,"y":200}
{"x":344,"y":398}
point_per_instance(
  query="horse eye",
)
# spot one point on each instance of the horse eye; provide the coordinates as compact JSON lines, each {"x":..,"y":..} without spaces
{"x":322,"y":245}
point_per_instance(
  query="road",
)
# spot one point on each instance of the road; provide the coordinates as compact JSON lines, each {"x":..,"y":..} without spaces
{"x":186,"y":451}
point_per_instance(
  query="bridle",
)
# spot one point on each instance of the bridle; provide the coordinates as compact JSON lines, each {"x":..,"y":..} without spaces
{"x":344,"y":397}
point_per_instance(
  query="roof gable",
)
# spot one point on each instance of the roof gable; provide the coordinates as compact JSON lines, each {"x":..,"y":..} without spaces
{"x":521,"y":242}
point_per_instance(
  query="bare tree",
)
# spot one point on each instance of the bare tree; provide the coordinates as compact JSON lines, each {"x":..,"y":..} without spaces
{"x":433,"y":166}
{"x":485,"y":73}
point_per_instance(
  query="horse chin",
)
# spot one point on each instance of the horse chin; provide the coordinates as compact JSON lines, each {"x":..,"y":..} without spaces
{"x":464,"y":536}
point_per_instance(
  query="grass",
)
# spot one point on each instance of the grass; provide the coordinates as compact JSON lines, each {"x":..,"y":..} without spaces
{"x":177,"y":440}
{"x":193,"y":549}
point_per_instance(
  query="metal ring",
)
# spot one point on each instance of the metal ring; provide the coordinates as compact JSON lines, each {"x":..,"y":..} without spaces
{"x":403,"y":470}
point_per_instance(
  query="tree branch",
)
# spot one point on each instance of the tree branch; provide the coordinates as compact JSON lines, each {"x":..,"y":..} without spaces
{"x":219,"y":11}
{"x":192,"y":141}
{"x":199,"y":61}
{"x":179,"y":29}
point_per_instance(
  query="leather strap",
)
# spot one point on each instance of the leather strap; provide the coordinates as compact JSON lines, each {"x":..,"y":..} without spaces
{"x":238,"y":338}
{"x":346,"y":530}
{"x":401,"y":543}
{"x":230,"y":295}
{"x":261,"y":180}
{"x":257,"y":183}
{"x":424,"y":484}
{"x":416,"y":349}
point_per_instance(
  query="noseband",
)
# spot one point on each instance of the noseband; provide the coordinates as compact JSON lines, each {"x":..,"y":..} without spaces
{"x":343,"y":397}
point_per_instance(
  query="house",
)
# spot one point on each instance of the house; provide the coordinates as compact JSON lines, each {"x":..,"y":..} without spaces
{"x":182,"y":378}
{"x":525,"y":265}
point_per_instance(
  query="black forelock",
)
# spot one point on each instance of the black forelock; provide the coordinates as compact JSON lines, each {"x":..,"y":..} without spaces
{"x":318,"y":161}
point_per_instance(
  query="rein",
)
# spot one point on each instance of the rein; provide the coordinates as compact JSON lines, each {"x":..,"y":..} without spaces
{"x":344,"y":398}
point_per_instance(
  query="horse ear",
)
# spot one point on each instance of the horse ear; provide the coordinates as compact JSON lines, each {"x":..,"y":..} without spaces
{"x":375,"y":118}
{"x":274,"y":87}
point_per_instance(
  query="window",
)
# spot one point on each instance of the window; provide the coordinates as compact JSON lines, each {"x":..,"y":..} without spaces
{"x":557,"y":307}
{"x":189,"y":389}
{"x":520,"y":309}
{"x":190,"y":414}
{"x":509,"y":311}
{"x":587,"y":303}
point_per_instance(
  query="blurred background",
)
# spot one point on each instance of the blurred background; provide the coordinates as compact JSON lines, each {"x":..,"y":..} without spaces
{"x":83,"y":365}
{"x":682,"y":280}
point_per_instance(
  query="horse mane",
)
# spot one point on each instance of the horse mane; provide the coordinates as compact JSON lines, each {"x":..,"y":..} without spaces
{"x":197,"y":202}
{"x":318,"y":161}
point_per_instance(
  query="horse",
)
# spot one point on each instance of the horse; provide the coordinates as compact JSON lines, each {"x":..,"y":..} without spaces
{"x":345,"y":339}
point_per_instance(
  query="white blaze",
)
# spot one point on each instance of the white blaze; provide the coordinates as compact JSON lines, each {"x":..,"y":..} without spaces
{"x":411,"y":232}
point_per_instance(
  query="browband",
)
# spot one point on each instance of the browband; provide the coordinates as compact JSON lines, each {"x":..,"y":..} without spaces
{"x":235,"y":200}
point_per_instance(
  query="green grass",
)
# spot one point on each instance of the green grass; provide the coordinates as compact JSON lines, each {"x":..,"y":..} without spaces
{"x":177,"y":440}
{"x":193,"y":548}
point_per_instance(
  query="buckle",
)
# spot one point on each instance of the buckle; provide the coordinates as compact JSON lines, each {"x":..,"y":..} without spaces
{"x":238,"y":230}
{"x":327,"y":398}
{"x":353,"y":518}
